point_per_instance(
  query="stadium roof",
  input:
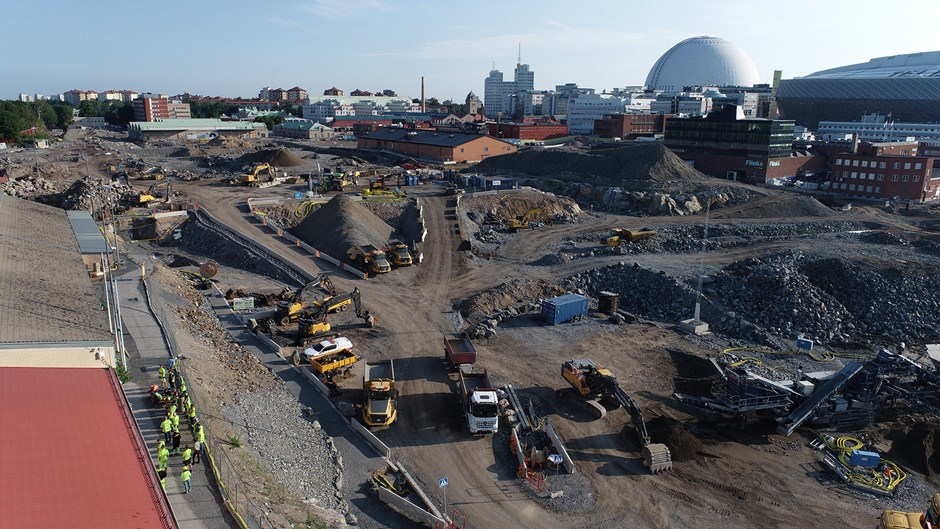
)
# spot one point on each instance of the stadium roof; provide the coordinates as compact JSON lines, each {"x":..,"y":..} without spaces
{"x":72,"y":456}
{"x":923,"y":65}
{"x":701,"y":61}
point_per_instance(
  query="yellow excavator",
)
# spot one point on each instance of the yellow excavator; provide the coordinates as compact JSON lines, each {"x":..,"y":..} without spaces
{"x":522,"y":222}
{"x":913,"y":520}
{"x":316,"y":322}
{"x":594,"y":382}
{"x":622,"y":237}
{"x":255,"y":176}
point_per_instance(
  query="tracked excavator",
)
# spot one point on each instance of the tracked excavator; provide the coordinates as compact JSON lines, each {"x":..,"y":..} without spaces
{"x":316,"y":322}
{"x":595,"y":382}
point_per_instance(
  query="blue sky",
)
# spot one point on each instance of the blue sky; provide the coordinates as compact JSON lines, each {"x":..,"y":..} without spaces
{"x":233,"y":48}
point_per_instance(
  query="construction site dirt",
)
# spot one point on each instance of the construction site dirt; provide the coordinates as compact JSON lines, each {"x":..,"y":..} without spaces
{"x":853,"y":281}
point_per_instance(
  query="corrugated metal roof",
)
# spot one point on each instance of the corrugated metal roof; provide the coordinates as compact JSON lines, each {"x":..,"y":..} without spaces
{"x":90,"y":239}
{"x":424,"y":137}
{"x":71,"y":454}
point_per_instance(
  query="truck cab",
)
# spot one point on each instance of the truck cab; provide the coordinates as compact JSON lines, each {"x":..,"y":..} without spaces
{"x":483,"y":412}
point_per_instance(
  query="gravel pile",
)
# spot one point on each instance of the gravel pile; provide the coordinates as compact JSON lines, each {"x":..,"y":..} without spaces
{"x":762,"y":300}
{"x":202,"y":241}
{"x":276,"y":157}
{"x":295,"y":450}
{"x":778,"y":205}
{"x":341,"y":224}
{"x":510,"y":293}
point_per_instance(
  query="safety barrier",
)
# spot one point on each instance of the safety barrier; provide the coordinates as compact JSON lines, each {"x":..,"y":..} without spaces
{"x":266,"y":340}
{"x":371,"y":438}
{"x":317,"y":384}
{"x":516,"y":447}
{"x":559,"y":446}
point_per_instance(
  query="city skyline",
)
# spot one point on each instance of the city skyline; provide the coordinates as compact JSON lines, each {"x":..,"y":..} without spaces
{"x":229,"y":49}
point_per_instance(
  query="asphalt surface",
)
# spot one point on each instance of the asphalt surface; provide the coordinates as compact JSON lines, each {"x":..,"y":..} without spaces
{"x":200,"y":509}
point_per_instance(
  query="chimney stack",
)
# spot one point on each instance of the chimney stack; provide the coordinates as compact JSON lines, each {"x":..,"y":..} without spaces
{"x":424,"y":107}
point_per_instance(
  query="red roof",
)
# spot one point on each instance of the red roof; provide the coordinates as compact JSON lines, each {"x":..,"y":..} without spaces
{"x":71,"y":454}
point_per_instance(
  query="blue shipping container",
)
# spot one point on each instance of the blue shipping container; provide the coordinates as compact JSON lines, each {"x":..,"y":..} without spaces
{"x":861,"y":458}
{"x":564,"y":308}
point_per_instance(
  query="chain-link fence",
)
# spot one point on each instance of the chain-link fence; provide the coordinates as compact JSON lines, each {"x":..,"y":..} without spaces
{"x":233,"y":488}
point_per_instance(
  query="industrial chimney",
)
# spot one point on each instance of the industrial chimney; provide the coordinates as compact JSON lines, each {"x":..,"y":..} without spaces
{"x":424,"y":107}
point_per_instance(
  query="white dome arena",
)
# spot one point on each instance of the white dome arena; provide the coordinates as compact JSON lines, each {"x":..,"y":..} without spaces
{"x":701,"y":61}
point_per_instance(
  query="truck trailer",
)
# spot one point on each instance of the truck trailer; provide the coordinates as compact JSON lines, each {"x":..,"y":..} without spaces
{"x":459,"y":351}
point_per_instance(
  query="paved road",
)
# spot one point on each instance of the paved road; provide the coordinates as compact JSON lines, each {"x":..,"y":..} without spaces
{"x":201,"y":508}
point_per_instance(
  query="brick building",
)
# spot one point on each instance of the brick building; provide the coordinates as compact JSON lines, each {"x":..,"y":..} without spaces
{"x":884,"y":171}
{"x":630,"y":126}
{"x":528,"y":131}
{"x":153,"y":107}
{"x":438,"y":147}
{"x":333,"y":92}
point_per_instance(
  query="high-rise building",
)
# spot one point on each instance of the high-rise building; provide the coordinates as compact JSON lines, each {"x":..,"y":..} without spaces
{"x":501,"y":97}
{"x":155,"y":107}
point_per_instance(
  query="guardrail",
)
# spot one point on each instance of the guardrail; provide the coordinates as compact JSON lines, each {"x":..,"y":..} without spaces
{"x":560,"y":446}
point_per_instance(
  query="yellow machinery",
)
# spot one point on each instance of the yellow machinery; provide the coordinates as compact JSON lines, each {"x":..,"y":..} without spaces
{"x":521,"y":222}
{"x":316,"y":322}
{"x":913,"y":520}
{"x":379,"y":407}
{"x":255,"y":176}
{"x":622,"y":237}
{"x":370,"y":259}
{"x":398,"y":253}
{"x":595,"y":382}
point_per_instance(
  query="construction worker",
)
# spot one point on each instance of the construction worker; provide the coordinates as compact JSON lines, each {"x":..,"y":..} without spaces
{"x":161,"y":473}
{"x":172,"y":409}
{"x":187,"y":475}
{"x":160,"y":445}
{"x":182,"y":384}
{"x":197,"y":451}
{"x":163,"y":457}
{"x":175,"y":419}
{"x":167,"y":427}
{"x":188,"y":456}
{"x":162,"y":373}
{"x":191,"y":414}
{"x":176,"y":441}
{"x":181,"y":401}
{"x":156,"y":397}
{"x":172,"y":378}
{"x":200,"y":434}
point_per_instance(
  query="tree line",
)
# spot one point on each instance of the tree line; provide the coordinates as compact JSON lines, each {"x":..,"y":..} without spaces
{"x":20,"y":120}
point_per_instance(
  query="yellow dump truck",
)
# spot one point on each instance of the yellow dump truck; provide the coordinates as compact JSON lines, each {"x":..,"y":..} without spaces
{"x":398,"y":253}
{"x":622,"y":237}
{"x":379,"y":394}
{"x":369,"y":259}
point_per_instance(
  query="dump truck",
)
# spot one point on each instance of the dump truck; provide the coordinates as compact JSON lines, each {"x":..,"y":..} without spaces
{"x":329,"y":358}
{"x":912,"y":520}
{"x":459,"y":351}
{"x":398,"y":253}
{"x":370,"y":259}
{"x":480,"y":401}
{"x":379,"y":394}
{"x":622,"y":237}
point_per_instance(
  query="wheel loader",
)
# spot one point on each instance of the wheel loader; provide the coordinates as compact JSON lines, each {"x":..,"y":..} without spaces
{"x":595,"y":382}
{"x":913,"y":520}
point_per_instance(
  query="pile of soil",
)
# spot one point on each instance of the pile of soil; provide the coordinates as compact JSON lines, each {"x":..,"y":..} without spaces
{"x":633,"y":166}
{"x":509,"y":294}
{"x":341,"y":224}
{"x":918,"y":447}
{"x":276,"y":157}
{"x":511,"y":205}
{"x":682,"y":444}
{"x":777,"y":205}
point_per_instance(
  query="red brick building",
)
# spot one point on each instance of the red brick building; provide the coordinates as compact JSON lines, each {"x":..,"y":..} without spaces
{"x":630,"y":126}
{"x":528,"y":131}
{"x":884,"y":171}
{"x":438,"y":147}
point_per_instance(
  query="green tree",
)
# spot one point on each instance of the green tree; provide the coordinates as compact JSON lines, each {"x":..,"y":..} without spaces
{"x":63,"y":114}
{"x":89,"y":109}
{"x":11,"y":123}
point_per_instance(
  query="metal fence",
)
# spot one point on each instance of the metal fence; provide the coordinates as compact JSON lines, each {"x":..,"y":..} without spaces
{"x":233,"y":488}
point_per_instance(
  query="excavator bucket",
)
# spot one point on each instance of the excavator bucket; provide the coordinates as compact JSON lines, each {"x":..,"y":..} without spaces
{"x":657,"y":457}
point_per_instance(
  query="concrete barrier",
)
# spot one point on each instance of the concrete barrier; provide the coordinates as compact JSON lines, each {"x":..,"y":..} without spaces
{"x":410,"y":510}
{"x":169,"y":214}
{"x":305,"y":371}
{"x":559,"y":446}
{"x":371,"y":438}
{"x":271,"y":344}
{"x":520,"y":455}
{"x":417,"y":490}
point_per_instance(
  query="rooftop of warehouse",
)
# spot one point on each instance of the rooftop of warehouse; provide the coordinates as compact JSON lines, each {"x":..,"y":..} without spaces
{"x":424,"y":137}
{"x":83,"y":464}
{"x":45,"y":292}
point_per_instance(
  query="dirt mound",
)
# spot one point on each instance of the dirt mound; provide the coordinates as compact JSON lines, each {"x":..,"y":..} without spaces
{"x":778,"y":205}
{"x":884,"y":237}
{"x":508,"y":294}
{"x":551,"y":259}
{"x":682,"y":444}
{"x":276,"y":157}
{"x":918,"y":446}
{"x":631,"y":166}
{"x":341,"y":224}
{"x":544,"y":207}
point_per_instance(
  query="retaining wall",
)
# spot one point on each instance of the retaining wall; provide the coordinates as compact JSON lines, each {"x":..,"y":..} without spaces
{"x":559,"y":446}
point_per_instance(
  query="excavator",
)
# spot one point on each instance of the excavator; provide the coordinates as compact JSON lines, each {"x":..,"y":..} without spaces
{"x":521,"y":222}
{"x":254,"y":177}
{"x":316,"y":322}
{"x":621,"y":236}
{"x":913,"y":520}
{"x":595,"y":382}
{"x":287,"y":310}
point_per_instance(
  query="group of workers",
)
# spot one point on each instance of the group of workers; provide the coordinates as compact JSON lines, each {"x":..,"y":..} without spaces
{"x":172,"y":397}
